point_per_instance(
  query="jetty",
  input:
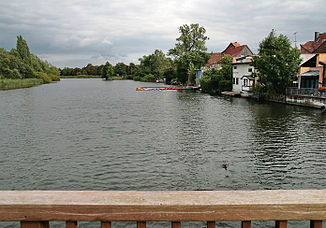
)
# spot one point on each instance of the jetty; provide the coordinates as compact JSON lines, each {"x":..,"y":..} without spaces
{"x":166,"y":88}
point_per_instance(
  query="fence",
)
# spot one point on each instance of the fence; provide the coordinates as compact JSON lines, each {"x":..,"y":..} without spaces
{"x":308,"y":92}
{"x":34,"y":209}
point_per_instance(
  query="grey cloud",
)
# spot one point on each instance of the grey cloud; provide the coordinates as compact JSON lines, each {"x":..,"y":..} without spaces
{"x":76,"y":32}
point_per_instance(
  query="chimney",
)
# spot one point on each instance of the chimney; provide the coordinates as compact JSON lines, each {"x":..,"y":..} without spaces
{"x":316,"y":36}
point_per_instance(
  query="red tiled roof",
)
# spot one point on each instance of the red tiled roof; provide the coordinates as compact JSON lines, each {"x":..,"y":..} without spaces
{"x":235,"y":51}
{"x":311,"y":46}
{"x":214,"y":58}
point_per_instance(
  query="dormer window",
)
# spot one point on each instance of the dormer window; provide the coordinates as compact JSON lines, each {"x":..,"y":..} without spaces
{"x":235,"y":67}
{"x":250,"y":70}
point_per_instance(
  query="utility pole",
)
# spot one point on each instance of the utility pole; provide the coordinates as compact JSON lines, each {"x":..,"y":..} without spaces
{"x":295,"y":39}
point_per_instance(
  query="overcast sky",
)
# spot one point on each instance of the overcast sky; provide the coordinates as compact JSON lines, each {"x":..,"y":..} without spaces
{"x":74,"y":33}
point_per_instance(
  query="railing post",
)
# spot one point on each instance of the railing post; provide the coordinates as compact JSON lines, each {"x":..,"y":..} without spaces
{"x":211,"y":224}
{"x":71,"y":224}
{"x":141,"y":224}
{"x":34,"y":224}
{"x":105,"y":224}
{"x":281,"y":224}
{"x":246,"y":224}
{"x":176,"y":225}
{"x":316,"y":224}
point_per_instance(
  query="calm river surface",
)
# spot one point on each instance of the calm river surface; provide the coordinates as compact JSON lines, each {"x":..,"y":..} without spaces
{"x":90,"y":134}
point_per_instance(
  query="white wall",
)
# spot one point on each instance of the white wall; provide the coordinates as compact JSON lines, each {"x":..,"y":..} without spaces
{"x":241,"y":70}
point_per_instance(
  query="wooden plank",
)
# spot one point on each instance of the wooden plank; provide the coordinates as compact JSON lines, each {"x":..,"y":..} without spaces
{"x":316,"y":224}
{"x":71,"y":224}
{"x":34,"y":225}
{"x":175,"y":225}
{"x":246,"y":224}
{"x":211,"y":224}
{"x":105,"y":224}
{"x":141,"y":224}
{"x":163,"y":206}
{"x":281,"y":224}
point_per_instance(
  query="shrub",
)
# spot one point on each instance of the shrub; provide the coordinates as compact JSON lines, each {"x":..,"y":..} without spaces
{"x":46,"y":78}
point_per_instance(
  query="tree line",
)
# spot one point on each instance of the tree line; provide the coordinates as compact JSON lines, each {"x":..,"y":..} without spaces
{"x":177,"y":66}
{"x":19,"y":63}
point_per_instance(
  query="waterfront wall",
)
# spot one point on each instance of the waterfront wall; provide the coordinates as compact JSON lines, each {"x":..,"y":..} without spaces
{"x":313,"y":102}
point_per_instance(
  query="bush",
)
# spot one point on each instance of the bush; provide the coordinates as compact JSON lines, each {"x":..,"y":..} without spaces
{"x":54,"y":77}
{"x":46,"y":78}
{"x":149,"y":78}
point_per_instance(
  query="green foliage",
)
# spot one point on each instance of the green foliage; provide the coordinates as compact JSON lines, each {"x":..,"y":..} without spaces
{"x":214,"y":81}
{"x":155,"y":64}
{"x":277,"y":64}
{"x":190,"y":48}
{"x":41,"y":75}
{"x":120,"y":69}
{"x":107,"y":71}
{"x":23,"y":50}
{"x":21,"y":64}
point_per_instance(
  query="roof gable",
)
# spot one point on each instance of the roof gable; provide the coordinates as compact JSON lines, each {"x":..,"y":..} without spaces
{"x":311,"y":46}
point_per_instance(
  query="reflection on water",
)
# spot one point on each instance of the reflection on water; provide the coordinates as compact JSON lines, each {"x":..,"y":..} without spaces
{"x":98,"y":135}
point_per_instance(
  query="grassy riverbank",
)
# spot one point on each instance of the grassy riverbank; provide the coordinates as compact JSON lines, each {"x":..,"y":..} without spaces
{"x":6,"y":84}
{"x":82,"y":76}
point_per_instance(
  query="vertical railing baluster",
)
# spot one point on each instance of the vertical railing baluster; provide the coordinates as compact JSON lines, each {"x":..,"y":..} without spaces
{"x":316,"y":224}
{"x":141,"y":224}
{"x":211,"y":224}
{"x":105,"y":224}
{"x":281,"y":224}
{"x":24,"y":224}
{"x":246,"y":224}
{"x":176,"y":225}
{"x":71,"y":224}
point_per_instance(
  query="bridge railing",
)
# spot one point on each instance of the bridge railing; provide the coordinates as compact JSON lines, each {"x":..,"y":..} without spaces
{"x":34,"y":209}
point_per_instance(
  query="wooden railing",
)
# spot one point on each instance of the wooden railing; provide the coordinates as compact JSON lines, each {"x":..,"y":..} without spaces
{"x":34,"y":209}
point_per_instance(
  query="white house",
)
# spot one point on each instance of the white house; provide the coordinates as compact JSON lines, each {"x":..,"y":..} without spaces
{"x":243,"y":81}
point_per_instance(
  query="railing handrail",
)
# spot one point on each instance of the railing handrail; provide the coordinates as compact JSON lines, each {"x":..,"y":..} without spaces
{"x":162,"y":206}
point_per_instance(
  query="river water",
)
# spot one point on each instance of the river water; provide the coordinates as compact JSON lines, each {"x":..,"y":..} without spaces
{"x":89,"y":134}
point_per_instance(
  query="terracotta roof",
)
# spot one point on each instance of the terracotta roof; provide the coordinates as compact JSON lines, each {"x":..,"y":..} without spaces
{"x":311,"y":46}
{"x":214,"y":59}
{"x":235,"y":51}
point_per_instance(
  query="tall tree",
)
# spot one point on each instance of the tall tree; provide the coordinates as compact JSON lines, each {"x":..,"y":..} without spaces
{"x":190,"y":49}
{"x":23,"y":50}
{"x":107,"y":71}
{"x":277,"y":63}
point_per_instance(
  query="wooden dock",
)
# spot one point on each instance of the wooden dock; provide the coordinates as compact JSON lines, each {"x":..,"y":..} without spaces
{"x":166,"y":88}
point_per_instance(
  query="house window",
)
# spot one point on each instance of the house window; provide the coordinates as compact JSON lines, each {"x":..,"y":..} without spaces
{"x":233,"y":81}
{"x":235,"y":67}
{"x":237,"y":81}
{"x":250,"y":70}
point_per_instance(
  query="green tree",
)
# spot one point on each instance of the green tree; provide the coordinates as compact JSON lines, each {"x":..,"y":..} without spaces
{"x":214,"y":81}
{"x":107,"y":71}
{"x":120,"y":69}
{"x":190,"y":48}
{"x":23,"y":50}
{"x":277,"y":63}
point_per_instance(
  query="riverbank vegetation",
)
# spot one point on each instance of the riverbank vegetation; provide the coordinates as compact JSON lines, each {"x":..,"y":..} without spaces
{"x":214,"y":80}
{"x":277,"y":65}
{"x":19,"y":68}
